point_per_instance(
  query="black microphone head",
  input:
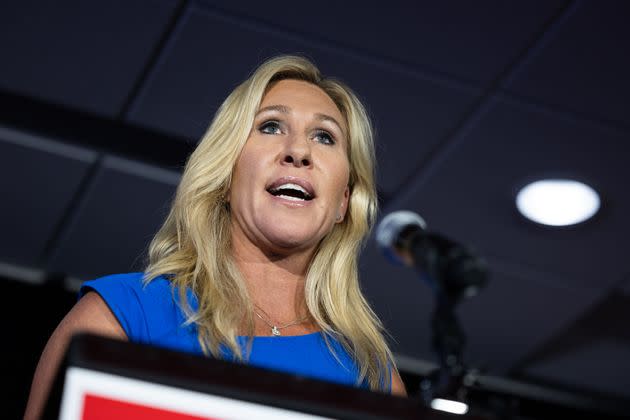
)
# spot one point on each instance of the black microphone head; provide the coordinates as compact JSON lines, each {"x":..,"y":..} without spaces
{"x":391,"y":227}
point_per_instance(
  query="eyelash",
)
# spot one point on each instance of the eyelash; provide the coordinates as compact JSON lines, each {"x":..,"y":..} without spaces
{"x":325,"y":136}
{"x":275,"y":125}
{"x":330,"y":140}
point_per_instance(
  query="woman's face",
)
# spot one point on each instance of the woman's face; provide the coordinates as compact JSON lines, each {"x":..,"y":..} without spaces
{"x":290,"y":183}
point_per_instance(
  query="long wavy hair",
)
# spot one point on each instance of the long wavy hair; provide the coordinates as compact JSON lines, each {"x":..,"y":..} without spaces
{"x":193,"y":247}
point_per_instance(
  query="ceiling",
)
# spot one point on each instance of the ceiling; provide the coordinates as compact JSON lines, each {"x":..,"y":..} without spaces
{"x":101,"y":102}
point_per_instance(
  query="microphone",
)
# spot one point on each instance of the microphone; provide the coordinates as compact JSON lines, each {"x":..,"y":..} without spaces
{"x":452,"y":270}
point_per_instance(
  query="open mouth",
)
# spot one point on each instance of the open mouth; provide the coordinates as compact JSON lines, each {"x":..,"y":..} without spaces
{"x":290,"y":191}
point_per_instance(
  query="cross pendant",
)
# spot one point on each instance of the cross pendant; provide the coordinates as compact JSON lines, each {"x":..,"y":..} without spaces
{"x":275,"y":331}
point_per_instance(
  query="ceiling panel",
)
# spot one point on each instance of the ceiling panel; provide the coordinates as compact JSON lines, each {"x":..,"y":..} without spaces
{"x":38,"y":180}
{"x":123,"y":209}
{"x":500,"y":326}
{"x":470,"y":194}
{"x":584,"y":65}
{"x":578,"y":368}
{"x":402,"y":301}
{"x":472,"y":41}
{"x":185,"y":90}
{"x":86,"y":55}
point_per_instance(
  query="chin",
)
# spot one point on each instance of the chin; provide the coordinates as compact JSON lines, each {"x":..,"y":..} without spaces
{"x":293,"y":240}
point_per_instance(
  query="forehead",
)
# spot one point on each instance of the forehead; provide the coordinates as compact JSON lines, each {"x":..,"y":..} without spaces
{"x":302,"y":96}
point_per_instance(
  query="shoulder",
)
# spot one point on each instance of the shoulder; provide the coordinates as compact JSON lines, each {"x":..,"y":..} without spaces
{"x":139,"y":306}
{"x":397,"y":386}
{"x":126,"y":287}
{"x":91,"y":314}
{"x":124,"y":281}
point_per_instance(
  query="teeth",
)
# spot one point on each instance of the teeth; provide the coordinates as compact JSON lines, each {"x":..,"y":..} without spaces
{"x":294,"y":187}
{"x":289,"y":197}
{"x":289,"y":186}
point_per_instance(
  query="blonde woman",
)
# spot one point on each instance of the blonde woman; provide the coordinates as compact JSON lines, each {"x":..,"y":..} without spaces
{"x":257,"y":259}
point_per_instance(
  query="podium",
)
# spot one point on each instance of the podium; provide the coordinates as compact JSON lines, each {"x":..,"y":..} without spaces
{"x":104,"y":378}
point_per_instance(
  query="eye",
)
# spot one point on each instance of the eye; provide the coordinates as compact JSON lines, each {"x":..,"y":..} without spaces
{"x":270,"y":127}
{"x":324,"y":137}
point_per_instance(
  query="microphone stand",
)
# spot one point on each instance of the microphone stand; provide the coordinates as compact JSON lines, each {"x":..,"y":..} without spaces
{"x":448,"y":341}
{"x":454,"y":273}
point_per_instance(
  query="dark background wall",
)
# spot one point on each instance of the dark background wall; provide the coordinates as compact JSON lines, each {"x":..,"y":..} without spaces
{"x":31,"y":313}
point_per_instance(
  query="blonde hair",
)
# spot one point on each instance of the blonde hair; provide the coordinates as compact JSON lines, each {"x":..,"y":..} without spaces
{"x":193,"y":247}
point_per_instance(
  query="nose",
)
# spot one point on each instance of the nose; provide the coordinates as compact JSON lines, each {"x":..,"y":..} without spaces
{"x":297,"y":152}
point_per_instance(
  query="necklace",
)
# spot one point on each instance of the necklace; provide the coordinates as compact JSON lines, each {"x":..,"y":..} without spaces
{"x":275,"y":329}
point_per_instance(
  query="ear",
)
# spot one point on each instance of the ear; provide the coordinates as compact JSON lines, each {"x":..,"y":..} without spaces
{"x":344,"y":205}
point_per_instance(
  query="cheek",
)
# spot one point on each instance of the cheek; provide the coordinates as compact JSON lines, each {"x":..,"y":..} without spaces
{"x":344,"y":176}
{"x":340,"y":182}
{"x":241,"y":178}
{"x":246,"y":165}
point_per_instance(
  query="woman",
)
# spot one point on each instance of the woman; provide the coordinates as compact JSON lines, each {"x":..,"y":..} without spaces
{"x":261,"y":243}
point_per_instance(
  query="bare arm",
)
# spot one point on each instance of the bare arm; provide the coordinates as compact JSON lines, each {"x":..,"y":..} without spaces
{"x":90,"y":314}
{"x":398,"y":387}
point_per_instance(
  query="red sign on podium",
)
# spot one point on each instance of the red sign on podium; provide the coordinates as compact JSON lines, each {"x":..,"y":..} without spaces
{"x":93,"y":395}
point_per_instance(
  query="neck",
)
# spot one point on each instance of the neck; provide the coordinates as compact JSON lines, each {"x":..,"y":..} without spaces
{"x":275,"y":282}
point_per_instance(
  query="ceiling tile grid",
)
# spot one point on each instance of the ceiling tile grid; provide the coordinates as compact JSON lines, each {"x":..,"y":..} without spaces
{"x":185,"y":90}
{"x":500,"y":323}
{"x":542,"y":279}
{"x":599,"y":330}
{"x":606,"y":376}
{"x":471,"y":193}
{"x":39,"y":178}
{"x":402,"y":301}
{"x":583,"y":67}
{"x":515,"y":314}
{"x":86,"y":55}
{"x":436,"y":37}
{"x":122,"y":210}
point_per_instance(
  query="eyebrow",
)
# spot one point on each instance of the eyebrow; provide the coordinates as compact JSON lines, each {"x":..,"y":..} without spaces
{"x":280,"y":108}
{"x":287,"y":110}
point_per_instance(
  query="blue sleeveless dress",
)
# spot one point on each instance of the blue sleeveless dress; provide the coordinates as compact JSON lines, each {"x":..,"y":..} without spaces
{"x":150,"y":315}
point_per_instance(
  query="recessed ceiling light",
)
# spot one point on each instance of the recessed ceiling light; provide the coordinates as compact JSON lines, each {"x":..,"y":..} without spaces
{"x":557,"y":202}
